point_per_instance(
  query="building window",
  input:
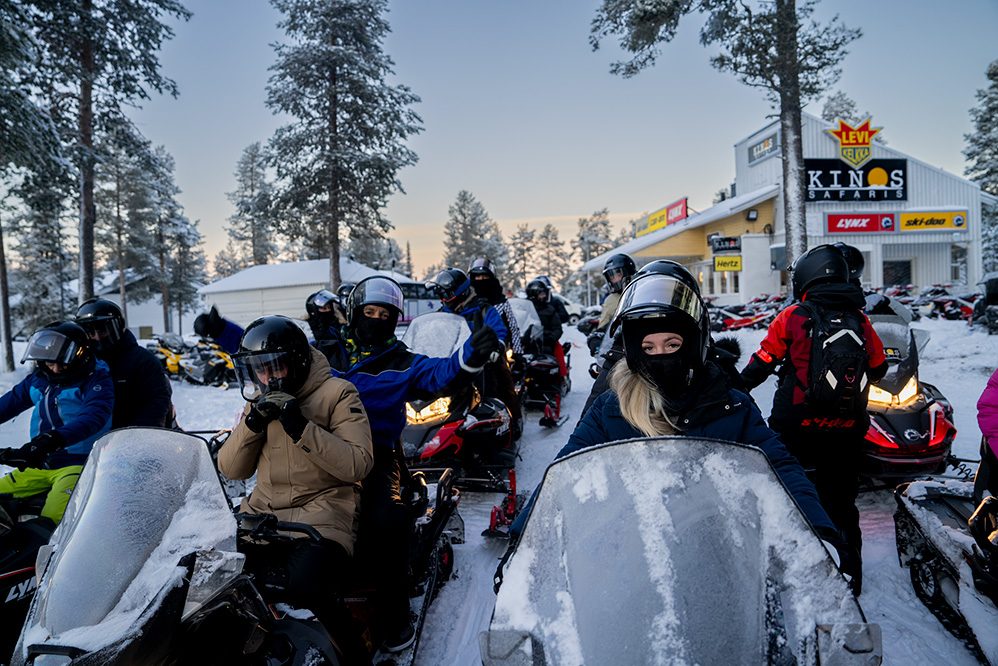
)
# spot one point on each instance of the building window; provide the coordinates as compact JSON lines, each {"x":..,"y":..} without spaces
{"x":958,"y":264}
{"x":735,"y":287}
{"x":724,"y":282}
{"x":897,"y":272}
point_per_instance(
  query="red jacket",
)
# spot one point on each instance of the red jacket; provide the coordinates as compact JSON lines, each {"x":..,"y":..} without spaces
{"x":787,"y":346}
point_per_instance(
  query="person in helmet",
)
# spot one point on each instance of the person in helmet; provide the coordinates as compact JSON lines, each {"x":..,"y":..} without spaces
{"x":224,"y":332}
{"x":668,"y":385}
{"x":855,"y":262}
{"x":387,"y":375}
{"x":326,"y":317}
{"x":343,"y":294}
{"x":457,"y":295}
{"x":617,"y":271}
{"x":143,"y":396}
{"x":306,"y":437}
{"x":73,"y":398}
{"x":556,"y":303}
{"x":539,"y":293}
{"x":826,"y":439}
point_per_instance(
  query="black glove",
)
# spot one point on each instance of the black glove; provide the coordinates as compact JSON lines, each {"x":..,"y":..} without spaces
{"x":257,"y":419}
{"x":35,"y":452}
{"x":284,"y":406}
{"x":850,"y":562}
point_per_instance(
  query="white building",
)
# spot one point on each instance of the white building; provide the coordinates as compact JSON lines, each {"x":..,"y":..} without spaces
{"x":915,"y":223}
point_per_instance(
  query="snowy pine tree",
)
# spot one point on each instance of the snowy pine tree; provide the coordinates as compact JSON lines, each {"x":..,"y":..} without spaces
{"x":770,"y":44}
{"x":839,"y":106}
{"x":522,"y":246}
{"x":187,"y":267}
{"x":470,"y":233}
{"x":251,"y":227}
{"x":407,"y":266}
{"x":552,"y":260}
{"x":337,"y":162}
{"x":226,"y":262}
{"x":982,"y":161}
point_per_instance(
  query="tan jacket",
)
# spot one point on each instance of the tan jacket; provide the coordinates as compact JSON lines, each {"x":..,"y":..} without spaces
{"x":609,"y":309}
{"x":316,"y":480}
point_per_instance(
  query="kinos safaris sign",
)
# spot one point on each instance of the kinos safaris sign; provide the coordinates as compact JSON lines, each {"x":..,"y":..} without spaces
{"x":877,"y":180}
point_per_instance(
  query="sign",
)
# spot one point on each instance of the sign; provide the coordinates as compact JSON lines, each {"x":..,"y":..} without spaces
{"x":731,"y":262}
{"x":878,"y":180}
{"x":663,"y":217}
{"x":934,"y":220}
{"x":726,"y":243}
{"x":763,"y":149}
{"x":860,"y":223}
{"x":854,"y":142}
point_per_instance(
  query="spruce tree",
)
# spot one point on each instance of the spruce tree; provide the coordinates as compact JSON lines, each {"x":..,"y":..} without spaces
{"x":522,"y":248}
{"x":470,"y":233}
{"x":982,"y":161}
{"x":774,"y":45}
{"x":187,"y":268}
{"x":337,"y":161}
{"x":251,"y":227}
{"x":551,"y":257}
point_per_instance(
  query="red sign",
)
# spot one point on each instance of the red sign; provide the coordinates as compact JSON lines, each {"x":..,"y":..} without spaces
{"x":860,"y":223}
{"x":676,"y":211}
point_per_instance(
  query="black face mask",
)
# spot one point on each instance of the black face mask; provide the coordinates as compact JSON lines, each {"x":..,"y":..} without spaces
{"x":321,"y":322}
{"x":670,"y":373}
{"x":488,"y":289}
{"x":371,"y":332}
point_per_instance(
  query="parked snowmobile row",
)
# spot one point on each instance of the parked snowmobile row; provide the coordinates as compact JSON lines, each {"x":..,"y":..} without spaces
{"x":204,"y":363}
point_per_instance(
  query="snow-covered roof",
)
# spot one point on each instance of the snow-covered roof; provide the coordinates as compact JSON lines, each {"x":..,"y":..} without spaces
{"x":293,"y":274}
{"x":717,"y":212}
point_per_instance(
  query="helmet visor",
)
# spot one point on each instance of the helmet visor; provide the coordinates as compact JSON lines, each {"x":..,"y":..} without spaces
{"x":655,"y":295}
{"x":51,"y":347}
{"x":103,"y":330}
{"x":260,"y":372}
{"x":444,"y":286}
{"x":377,"y":291}
{"x":481,"y":266}
{"x":323,"y":298}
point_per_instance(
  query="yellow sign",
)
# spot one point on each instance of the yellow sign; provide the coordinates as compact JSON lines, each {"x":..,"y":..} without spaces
{"x":932,"y":220}
{"x":663,"y":217}
{"x":854,"y":142}
{"x":728,"y":263}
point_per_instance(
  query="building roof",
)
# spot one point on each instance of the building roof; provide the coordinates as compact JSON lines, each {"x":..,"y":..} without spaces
{"x":717,"y":212}
{"x":293,"y":274}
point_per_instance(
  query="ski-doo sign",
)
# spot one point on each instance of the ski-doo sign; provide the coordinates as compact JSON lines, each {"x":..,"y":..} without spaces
{"x":952,"y":220}
{"x":877,"y":180}
{"x":854,"y":142}
{"x":860,"y":223}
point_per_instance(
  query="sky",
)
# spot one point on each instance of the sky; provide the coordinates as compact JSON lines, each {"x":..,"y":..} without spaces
{"x":519,"y":110}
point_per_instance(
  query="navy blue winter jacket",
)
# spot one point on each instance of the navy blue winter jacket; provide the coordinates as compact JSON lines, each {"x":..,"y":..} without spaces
{"x":490,"y":317}
{"x":79,"y":413}
{"x":230,"y":337}
{"x":739,"y":420}
{"x":387,"y":379}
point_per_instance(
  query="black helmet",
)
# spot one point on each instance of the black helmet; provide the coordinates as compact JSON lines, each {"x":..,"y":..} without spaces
{"x":483,"y":277}
{"x":482,"y":266}
{"x":103,"y":322}
{"x":319,"y":299}
{"x":672,"y":268}
{"x":546,"y":281}
{"x":618,"y":265}
{"x":343,"y":292}
{"x":65,"y":343}
{"x":209,"y":324}
{"x":655,"y":303}
{"x":536,"y":289}
{"x":375,"y":290}
{"x":274,"y":355}
{"x":855,"y":261}
{"x":452,"y":286}
{"x":819,"y":265}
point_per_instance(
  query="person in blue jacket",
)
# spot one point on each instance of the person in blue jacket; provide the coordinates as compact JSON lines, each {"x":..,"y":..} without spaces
{"x":387,"y":375}
{"x":73,"y":396}
{"x":669,"y":386}
{"x":225,"y":333}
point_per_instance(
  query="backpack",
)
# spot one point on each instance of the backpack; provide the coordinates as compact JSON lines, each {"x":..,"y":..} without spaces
{"x":838,"y":374}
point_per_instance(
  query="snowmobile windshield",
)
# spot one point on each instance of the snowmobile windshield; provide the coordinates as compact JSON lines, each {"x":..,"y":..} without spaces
{"x":900,"y":350}
{"x":436,"y":334}
{"x":50,"y":346}
{"x":146,"y":499}
{"x":527,"y":319}
{"x":662,"y":551}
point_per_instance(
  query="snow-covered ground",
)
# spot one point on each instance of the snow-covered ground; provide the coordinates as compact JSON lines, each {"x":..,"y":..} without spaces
{"x":957,"y":361}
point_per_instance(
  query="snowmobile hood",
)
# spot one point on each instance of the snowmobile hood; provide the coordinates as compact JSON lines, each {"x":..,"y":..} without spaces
{"x":527,"y":319}
{"x":146,"y":498}
{"x":672,"y":550}
{"x":436,"y":334}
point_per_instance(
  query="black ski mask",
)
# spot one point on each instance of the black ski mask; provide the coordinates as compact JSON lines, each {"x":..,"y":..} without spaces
{"x":373,"y":332}
{"x":489,"y":289}
{"x":671,"y":374}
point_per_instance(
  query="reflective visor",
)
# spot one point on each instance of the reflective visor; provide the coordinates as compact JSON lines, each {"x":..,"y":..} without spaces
{"x":649,"y":295}
{"x":50,"y":346}
{"x":259,"y":372}
{"x":377,"y":291}
{"x":323,"y":298}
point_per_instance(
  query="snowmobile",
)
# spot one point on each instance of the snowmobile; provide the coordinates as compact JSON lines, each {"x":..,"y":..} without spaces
{"x":544,"y":386}
{"x":463,"y":430}
{"x":911,"y":422}
{"x":149,"y":566}
{"x":214,"y":366}
{"x":672,"y":550}
{"x":174,"y":354}
{"x":947,"y":538}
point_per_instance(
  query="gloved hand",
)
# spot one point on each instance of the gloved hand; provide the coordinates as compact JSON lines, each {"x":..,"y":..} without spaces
{"x":34,"y":453}
{"x":850,"y":563}
{"x":484,"y":343}
{"x":257,"y":419}
{"x":284,"y":406}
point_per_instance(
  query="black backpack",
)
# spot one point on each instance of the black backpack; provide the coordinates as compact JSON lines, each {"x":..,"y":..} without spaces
{"x":838,"y":375}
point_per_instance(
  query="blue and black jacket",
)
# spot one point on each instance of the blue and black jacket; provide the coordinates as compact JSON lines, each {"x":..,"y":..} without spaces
{"x":79,"y":413}
{"x":390,"y":377}
{"x":490,"y":317}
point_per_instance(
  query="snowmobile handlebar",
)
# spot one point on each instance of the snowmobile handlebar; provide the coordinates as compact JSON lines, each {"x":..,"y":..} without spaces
{"x":266,"y":527}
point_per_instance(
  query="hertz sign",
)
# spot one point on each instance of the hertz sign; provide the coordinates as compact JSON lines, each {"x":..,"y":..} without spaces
{"x":729,"y":263}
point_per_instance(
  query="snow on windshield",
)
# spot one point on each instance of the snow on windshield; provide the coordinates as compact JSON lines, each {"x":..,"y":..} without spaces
{"x":146,"y":498}
{"x":436,"y":334}
{"x":526,"y":318}
{"x":660,"y":550}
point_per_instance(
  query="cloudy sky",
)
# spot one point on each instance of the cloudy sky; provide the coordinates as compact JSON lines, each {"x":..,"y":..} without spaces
{"x":520,"y":111}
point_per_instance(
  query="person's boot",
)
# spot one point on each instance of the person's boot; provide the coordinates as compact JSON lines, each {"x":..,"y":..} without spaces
{"x":398,"y":639}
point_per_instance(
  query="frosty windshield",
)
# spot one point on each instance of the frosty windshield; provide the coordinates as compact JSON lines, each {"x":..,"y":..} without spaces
{"x":436,"y":334}
{"x":146,"y":498}
{"x":661,"y":550}
{"x":526,"y":318}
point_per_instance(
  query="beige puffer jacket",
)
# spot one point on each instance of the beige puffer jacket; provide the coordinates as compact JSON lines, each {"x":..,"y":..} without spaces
{"x":317,"y":479}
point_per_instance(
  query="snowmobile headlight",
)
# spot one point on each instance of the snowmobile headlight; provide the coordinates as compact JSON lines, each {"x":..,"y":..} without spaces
{"x":908,"y":393}
{"x":435,"y":410}
{"x":879,"y":396}
{"x":509,"y":356}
